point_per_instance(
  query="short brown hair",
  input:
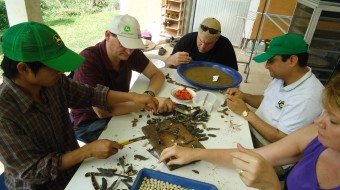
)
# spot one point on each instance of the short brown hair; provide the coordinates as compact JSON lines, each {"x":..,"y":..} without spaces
{"x":331,"y":94}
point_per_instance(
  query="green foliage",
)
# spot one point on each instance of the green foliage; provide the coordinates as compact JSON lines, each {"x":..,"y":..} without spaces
{"x":77,"y":33}
{"x":3,"y":16}
{"x":66,"y":8}
{"x":78,"y":24}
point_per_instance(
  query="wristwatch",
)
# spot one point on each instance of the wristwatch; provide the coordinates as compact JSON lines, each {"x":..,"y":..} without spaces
{"x":245,"y":113}
{"x":149,"y":92}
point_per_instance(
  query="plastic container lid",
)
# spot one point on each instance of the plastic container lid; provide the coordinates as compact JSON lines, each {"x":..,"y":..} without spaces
{"x":205,"y":100}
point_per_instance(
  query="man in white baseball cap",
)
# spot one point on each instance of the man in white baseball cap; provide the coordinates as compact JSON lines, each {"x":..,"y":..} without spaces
{"x":110,"y":63}
{"x":127,"y":30}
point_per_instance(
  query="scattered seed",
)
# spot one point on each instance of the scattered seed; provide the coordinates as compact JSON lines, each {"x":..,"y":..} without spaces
{"x":211,"y":135}
{"x":140,"y":157}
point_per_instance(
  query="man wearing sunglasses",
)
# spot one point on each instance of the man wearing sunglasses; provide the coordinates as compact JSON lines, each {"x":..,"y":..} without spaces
{"x":110,"y":63}
{"x":205,"y":45}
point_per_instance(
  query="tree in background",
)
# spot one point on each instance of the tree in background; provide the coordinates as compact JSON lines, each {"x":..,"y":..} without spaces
{"x":3,"y":16}
{"x":60,"y":8}
{"x":94,"y":3}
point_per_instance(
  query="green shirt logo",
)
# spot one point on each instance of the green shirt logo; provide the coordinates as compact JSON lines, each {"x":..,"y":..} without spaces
{"x":280,"y":104}
{"x":127,"y":29}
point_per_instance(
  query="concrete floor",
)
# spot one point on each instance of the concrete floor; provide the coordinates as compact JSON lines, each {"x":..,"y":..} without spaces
{"x":257,"y":81}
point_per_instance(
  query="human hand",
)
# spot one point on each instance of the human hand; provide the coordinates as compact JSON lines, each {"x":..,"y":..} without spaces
{"x":237,"y":105}
{"x":103,"y":148}
{"x":146,"y":101}
{"x":165,"y":105}
{"x":177,"y":155}
{"x":255,"y":171}
{"x":235,"y":92}
{"x":180,"y":58}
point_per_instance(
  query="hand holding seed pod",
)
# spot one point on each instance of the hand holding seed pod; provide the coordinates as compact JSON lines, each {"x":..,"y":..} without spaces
{"x":177,"y":155}
{"x":102,"y":148}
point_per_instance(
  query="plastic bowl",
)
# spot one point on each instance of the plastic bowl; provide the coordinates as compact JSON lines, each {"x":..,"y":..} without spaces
{"x":176,"y":99}
{"x":237,"y":78}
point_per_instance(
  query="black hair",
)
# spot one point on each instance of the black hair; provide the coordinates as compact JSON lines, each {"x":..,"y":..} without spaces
{"x":302,"y":58}
{"x":9,"y":67}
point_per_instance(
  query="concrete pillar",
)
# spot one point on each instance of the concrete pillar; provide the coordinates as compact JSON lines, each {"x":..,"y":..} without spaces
{"x":23,"y":10}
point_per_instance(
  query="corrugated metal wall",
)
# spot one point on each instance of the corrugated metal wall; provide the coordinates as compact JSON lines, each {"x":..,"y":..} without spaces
{"x":228,"y":12}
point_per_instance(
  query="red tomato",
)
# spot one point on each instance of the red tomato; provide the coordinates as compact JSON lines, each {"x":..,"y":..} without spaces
{"x":183,"y":94}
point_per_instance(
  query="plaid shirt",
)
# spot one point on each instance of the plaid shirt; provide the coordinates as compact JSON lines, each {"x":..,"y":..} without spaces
{"x":34,"y":135}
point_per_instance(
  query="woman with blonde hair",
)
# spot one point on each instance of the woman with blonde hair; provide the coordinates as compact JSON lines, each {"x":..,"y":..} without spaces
{"x":315,"y":151}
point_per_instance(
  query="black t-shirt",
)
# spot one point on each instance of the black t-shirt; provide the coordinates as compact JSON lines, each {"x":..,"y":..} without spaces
{"x":223,"y":51}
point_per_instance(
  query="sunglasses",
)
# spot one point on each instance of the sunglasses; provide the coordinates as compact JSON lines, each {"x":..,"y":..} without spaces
{"x":211,"y":30}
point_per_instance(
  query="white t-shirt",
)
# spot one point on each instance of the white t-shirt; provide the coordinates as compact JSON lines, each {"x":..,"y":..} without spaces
{"x":294,"y":106}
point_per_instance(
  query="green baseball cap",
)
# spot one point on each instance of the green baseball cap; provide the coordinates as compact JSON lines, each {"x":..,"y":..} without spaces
{"x":286,"y":44}
{"x":33,"y":41}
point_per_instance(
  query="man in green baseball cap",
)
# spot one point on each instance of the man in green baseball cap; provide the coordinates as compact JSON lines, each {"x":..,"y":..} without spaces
{"x":37,"y":144}
{"x":292,"y":99}
{"x":288,"y":44}
{"x":32,"y":41}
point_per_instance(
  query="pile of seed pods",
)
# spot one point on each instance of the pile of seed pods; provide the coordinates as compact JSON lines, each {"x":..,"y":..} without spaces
{"x":150,"y":183}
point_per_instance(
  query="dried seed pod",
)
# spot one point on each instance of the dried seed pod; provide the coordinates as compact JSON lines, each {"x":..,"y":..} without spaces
{"x":121,"y":162}
{"x":127,"y":184}
{"x":129,"y":168}
{"x":211,"y":128}
{"x":200,"y":135}
{"x":113,"y":184}
{"x":88,"y":174}
{"x":104,"y":184}
{"x":128,"y":180}
{"x":203,"y":138}
{"x":94,"y":182}
{"x":107,"y":172}
{"x":140,"y":157}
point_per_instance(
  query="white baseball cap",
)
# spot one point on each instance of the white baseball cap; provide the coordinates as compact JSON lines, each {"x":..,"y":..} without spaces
{"x":127,"y":30}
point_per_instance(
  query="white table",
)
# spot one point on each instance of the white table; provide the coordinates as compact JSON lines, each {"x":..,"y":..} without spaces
{"x":120,"y":128}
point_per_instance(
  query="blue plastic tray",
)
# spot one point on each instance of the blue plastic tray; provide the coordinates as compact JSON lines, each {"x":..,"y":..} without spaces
{"x":177,"y":180}
{"x":228,"y":70}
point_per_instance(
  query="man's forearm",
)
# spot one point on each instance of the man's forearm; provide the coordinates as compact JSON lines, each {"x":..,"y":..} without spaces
{"x":253,"y":100}
{"x":125,"y":108}
{"x":269,"y":132}
{"x":156,"y":82}
{"x":73,"y":158}
{"x":114,"y":97}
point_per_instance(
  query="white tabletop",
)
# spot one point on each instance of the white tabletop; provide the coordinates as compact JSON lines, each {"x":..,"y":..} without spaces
{"x":120,"y":129}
